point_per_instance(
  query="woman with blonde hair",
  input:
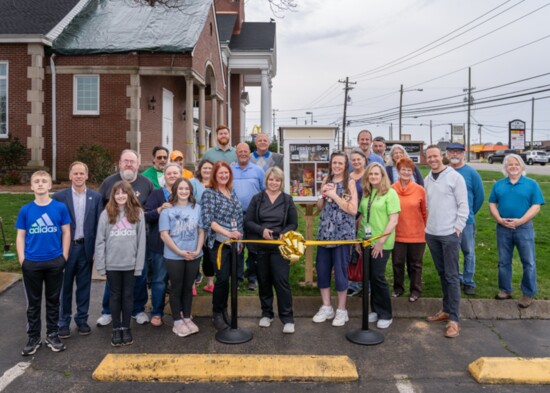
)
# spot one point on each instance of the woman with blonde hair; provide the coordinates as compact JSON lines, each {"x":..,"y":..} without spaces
{"x":379,"y":209}
{"x":396,"y":153}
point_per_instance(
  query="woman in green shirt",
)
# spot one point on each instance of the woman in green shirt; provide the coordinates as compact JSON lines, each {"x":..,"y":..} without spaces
{"x":379,"y":209}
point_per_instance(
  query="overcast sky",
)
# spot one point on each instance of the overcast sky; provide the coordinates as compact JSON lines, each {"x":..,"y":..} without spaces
{"x":325,"y":41}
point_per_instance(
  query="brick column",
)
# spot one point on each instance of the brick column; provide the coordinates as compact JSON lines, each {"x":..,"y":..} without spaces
{"x":133,"y":113}
{"x":189,"y":131}
{"x":35,"y":119}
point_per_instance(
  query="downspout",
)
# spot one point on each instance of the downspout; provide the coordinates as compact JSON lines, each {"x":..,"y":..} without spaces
{"x":54,"y":120}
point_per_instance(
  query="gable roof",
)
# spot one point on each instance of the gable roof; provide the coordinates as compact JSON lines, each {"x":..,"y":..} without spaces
{"x":226,"y":23}
{"x":107,"y":26}
{"x":32,"y":18}
{"x":254,"y":36}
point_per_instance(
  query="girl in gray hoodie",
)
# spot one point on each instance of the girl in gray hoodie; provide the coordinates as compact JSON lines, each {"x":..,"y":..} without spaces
{"x":120,"y":253}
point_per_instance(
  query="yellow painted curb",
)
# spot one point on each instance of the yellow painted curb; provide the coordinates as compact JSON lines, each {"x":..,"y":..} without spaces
{"x":511,"y":370}
{"x":225,"y":368}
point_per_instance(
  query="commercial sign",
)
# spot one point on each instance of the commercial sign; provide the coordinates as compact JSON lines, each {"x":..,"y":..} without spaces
{"x":516,"y":137}
{"x":457,"y":133}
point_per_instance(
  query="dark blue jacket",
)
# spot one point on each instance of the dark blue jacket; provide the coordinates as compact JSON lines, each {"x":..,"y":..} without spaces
{"x":94,"y":207}
{"x":154,"y":201}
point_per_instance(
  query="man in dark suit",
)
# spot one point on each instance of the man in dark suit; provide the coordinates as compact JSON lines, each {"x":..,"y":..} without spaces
{"x":84,"y":207}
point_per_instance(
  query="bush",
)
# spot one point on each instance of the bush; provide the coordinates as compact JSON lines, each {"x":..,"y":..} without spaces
{"x":98,"y":159}
{"x":12,"y":177}
{"x":12,"y":154}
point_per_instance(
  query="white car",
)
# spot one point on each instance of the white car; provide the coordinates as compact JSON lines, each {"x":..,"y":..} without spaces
{"x":536,"y":157}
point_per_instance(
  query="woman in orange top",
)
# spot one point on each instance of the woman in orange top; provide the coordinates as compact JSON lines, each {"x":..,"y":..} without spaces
{"x":410,"y":240}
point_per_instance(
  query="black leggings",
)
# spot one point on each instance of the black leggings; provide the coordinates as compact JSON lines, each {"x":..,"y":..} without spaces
{"x":207,"y":263}
{"x":182,"y":275}
{"x":121,"y":291}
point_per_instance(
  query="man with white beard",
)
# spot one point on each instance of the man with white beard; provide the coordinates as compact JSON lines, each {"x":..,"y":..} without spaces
{"x":128,"y":166}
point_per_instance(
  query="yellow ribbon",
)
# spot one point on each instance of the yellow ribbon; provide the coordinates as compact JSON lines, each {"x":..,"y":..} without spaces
{"x":293,"y":245}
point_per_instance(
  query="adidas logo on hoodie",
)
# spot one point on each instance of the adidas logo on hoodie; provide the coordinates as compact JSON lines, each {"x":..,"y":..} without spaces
{"x":122,"y":228}
{"x":43,"y":225}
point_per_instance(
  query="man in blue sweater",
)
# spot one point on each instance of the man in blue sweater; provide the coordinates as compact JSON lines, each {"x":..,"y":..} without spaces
{"x":476,"y":195}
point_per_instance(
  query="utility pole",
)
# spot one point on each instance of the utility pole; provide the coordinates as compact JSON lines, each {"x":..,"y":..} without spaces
{"x":431,"y":141}
{"x":469,"y":100}
{"x":273,"y":130}
{"x":532,"y":120}
{"x":347,"y":88}
{"x":400,"y":109}
{"x":479,"y":131}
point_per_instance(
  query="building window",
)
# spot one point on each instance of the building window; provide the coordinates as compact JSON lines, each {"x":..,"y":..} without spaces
{"x":86,"y":95}
{"x":3,"y":99}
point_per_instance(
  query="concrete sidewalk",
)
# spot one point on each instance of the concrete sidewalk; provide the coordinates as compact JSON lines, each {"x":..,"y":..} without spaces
{"x":307,"y":306}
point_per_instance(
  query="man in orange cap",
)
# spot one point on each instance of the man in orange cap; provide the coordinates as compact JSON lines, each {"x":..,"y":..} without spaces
{"x":177,"y":157}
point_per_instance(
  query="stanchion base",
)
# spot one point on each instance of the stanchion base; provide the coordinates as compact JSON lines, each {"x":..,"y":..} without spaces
{"x":234,"y":336}
{"x":365,"y":337}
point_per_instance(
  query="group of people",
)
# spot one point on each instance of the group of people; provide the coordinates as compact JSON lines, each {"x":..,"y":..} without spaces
{"x":159,"y":224}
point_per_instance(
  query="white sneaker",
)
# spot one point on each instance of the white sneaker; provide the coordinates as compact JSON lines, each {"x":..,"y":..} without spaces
{"x":288,"y":328}
{"x":373,"y":317}
{"x":104,"y":320}
{"x":324,"y":313}
{"x":384,"y":323}
{"x":265,"y":322}
{"x":141,"y":318}
{"x":191,"y":325}
{"x":341,"y":318}
{"x":180,"y":328}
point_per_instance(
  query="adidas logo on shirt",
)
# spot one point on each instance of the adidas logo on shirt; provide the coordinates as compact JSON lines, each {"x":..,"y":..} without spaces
{"x":43,"y":225}
{"x":122,"y":228}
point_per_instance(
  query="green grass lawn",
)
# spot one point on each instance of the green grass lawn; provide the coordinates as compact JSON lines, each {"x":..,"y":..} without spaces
{"x":486,"y":253}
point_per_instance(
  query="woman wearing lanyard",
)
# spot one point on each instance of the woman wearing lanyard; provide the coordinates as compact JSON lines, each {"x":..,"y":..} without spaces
{"x":156,"y":203}
{"x":222,"y":218}
{"x":380,"y":211}
{"x":338,"y":205}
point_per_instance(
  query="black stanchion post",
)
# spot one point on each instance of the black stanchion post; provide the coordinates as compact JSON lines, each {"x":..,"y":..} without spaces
{"x":234,"y":335}
{"x":364,"y":336}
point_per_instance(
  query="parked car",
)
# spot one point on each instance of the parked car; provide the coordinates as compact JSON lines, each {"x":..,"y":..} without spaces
{"x":536,"y":157}
{"x":498,"y":156}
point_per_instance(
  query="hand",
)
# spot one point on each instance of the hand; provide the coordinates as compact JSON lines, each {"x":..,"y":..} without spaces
{"x":240,"y":248}
{"x":235,"y":235}
{"x":267,"y":234}
{"x":509,"y":223}
{"x":458,"y":232}
{"x":377,"y":250}
{"x":189,"y":255}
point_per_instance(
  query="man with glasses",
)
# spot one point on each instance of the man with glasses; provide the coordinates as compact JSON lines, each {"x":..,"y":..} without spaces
{"x":156,"y":172}
{"x":128,"y":166}
{"x":476,"y":195}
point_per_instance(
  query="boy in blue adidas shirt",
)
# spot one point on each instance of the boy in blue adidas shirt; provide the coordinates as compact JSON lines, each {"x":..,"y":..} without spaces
{"x":43,"y":240}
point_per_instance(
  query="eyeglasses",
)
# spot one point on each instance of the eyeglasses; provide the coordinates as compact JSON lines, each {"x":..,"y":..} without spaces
{"x":453,"y":151}
{"x":129,"y":162}
{"x":161,"y":158}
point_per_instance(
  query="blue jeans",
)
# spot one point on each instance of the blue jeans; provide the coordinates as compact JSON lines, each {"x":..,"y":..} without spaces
{"x":467,"y":244}
{"x":523,"y":238}
{"x":444,"y":250}
{"x":158,"y":283}
{"x":79,"y":270}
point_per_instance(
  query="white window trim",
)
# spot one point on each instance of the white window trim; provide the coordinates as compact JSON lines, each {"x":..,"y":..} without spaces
{"x":75,"y":96}
{"x":6,"y":136}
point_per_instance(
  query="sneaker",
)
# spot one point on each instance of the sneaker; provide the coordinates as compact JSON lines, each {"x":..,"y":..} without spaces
{"x":194,"y":290}
{"x":384,"y":323}
{"x":373,"y":317}
{"x":198,"y":278}
{"x":341,"y":318}
{"x":469,"y":290}
{"x":288,"y":328}
{"x":355,"y":291}
{"x":191,"y":326}
{"x":127,"y":338}
{"x":104,"y":320}
{"x":32,"y":345}
{"x":452,"y":329}
{"x":116,"y":337}
{"x":83,"y":329}
{"x":64,"y":332}
{"x":156,"y":321}
{"x":525,"y":301}
{"x":208,"y":288}
{"x":141,"y":318}
{"x":265,"y":322}
{"x":181,"y":329}
{"x":324,"y":313}
{"x":54,"y":343}
{"x":252,"y":285}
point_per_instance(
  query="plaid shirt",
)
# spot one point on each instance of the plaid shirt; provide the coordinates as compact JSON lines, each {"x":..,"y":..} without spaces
{"x":216,"y":207}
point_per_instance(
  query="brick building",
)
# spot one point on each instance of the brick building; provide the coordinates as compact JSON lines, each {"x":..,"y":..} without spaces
{"x":124,"y":74}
